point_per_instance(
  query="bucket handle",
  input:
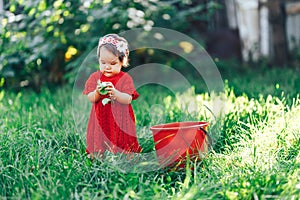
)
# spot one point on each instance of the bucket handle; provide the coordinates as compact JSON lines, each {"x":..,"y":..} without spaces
{"x":207,"y":135}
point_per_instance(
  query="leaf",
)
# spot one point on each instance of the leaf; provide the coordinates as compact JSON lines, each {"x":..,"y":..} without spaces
{"x":1,"y":95}
{"x":2,"y":80}
{"x":102,"y":91}
{"x":105,"y":101}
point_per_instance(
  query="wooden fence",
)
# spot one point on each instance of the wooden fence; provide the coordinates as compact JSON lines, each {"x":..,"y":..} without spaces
{"x":258,"y":33}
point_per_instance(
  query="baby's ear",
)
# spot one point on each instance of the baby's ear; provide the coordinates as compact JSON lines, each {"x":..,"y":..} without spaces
{"x":125,"y":61}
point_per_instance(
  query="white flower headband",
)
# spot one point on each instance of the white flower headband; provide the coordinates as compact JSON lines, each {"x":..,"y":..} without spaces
{"x":121,"y":45}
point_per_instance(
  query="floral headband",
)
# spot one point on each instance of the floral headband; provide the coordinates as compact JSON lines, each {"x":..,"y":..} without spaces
{"x":121,"y":45}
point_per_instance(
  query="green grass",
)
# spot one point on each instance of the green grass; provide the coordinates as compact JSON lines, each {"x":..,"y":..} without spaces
{"x":255,"y":153}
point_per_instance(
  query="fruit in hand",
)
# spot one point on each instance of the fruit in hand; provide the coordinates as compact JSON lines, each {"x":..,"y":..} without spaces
{"x":102,"y":86}
{"x":105,"y":101}
{"x":102,"y":91}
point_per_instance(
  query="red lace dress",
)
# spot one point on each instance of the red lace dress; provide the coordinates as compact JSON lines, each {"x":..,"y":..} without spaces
{"x":111,"y":126}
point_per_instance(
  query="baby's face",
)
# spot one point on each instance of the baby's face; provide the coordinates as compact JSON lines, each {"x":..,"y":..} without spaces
{"x":110,"y":64}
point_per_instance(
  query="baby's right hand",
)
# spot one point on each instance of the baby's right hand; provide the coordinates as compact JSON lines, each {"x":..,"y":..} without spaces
{"x":98,"y":87}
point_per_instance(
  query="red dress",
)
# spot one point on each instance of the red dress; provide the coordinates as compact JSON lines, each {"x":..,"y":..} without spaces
{"x":112,"y":126}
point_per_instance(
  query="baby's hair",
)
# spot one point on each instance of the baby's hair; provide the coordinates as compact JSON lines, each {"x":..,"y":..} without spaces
{"x":115,"y":44}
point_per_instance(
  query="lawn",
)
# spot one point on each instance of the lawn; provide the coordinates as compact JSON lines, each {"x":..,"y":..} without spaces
{"x":255,"y":154}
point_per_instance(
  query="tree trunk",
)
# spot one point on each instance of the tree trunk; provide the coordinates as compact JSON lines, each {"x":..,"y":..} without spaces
{"x":1,"y":6}
{"x":1,"y":12}
{"x":56,"y":72}
{"x":277,"y":21}
{"x":230,"y":6}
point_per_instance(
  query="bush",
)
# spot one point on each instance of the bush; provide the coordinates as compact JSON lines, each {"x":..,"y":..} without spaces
{"x":42,"y":41}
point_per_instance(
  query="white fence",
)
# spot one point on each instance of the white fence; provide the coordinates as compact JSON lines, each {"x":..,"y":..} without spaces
{"x":251,"y":18}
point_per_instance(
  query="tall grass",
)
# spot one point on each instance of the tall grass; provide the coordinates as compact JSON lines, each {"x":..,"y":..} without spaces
{"x":255,"y":153}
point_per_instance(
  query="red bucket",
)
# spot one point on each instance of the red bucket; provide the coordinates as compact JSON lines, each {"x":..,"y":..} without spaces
{"x":174,"y":141}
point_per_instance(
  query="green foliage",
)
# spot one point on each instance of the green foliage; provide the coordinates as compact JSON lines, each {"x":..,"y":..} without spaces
{"x":259,"y":79}
{"x":42,"y":41}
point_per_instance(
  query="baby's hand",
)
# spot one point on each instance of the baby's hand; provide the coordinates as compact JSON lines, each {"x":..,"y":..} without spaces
{"x":108,"y":86}
{"x":101,"y":87}
{"x":111,"y":90}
